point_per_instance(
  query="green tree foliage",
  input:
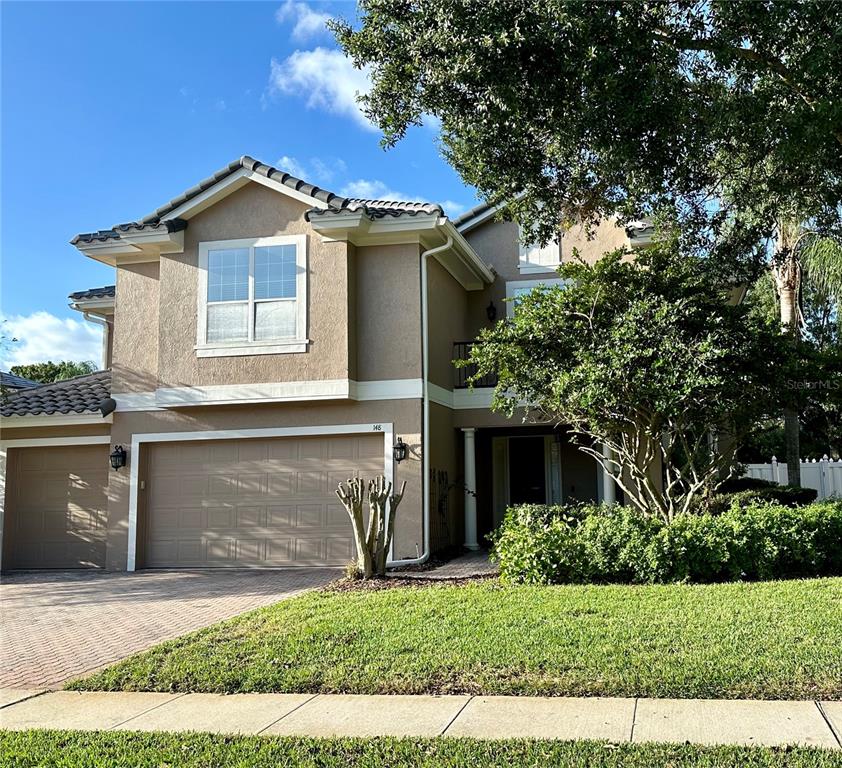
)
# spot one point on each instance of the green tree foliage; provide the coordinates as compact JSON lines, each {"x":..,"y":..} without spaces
{"x":651,"y":358}
{"x":47,"y":373}
{"x":725,"y":116}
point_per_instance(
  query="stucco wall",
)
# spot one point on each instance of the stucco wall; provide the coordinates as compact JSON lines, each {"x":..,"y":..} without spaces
{"x":388,"y":312}
{"x":448,"y":321}
{"x":446,"y":480}
{"x":254,"y":211}
{"x":404,"y":414}
{"x":135,"y":349}
{"x":497,"y":244}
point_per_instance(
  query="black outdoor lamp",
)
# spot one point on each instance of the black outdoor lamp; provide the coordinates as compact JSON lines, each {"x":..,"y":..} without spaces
{"x":399,"y":450}
{"x":491,"y":311}
{"x":118,"y":457}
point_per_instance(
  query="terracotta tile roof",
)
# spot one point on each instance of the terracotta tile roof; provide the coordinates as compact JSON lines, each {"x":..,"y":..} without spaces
{"x":470,"y":214}
{"x":335,"y":203}
{"x":82,"y":394}
{"x":11,"y":381}
{"x":105,"y":292}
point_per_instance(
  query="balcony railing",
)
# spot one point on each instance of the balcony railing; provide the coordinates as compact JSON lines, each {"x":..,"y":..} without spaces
{"x":462,"y":351}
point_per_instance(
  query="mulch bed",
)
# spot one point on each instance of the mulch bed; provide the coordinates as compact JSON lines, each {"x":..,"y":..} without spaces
{"x":396,"y":582}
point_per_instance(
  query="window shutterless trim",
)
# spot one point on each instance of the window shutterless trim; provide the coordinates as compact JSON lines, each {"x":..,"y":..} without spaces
{"x":299,"y":343}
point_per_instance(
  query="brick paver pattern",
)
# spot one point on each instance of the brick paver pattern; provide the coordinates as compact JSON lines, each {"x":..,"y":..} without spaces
{"x":467,"y":566}
{"x":55,"y":626}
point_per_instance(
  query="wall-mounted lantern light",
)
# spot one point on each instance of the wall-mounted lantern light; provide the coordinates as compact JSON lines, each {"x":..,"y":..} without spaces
{"x":118,"y":457}
{"x":491,"y":311}
{"x":399,"y":450}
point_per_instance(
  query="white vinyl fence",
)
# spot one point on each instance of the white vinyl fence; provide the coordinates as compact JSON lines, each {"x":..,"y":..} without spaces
{"x":822,"y":474}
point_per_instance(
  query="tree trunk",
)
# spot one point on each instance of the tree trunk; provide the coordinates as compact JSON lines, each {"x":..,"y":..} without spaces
{"x":787,"y":272}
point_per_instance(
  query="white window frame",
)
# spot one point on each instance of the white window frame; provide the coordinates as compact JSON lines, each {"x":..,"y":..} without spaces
{"x":513,"y":285}
{"x":529,"y":267}
{"x":241,"y":348}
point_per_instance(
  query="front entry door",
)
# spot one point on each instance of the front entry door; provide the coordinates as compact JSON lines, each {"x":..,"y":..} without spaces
{"x":527,"y":470}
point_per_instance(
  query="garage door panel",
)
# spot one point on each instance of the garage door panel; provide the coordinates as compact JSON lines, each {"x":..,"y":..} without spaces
{"x":311,"y":483}
{"x":264,"y":501}
{"x":252,"y":484}
{"x":308,"y":516}
{"x":56,"y":507}
{"x":221,"y":518}
{"x":249,"y":517}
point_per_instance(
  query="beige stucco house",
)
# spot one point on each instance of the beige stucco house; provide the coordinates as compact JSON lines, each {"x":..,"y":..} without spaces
{"x":265,"y":340}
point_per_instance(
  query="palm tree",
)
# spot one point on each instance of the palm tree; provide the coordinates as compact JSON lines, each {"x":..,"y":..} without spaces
{"x":802,"y":253}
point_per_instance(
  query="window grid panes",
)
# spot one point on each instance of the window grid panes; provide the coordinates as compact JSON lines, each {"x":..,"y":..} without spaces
{"x":252,"y":294}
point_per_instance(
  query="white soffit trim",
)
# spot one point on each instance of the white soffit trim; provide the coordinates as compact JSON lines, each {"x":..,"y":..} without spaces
{"x":289,"y":391}
{"x":46,"y":442}
{"x":387,"y":389}
{"x":294,"y":391}
{"x":383,"y":428}
{"x":461,"y":399}
{"x":232,"y":183}
{"x":54,"y":420}
{"x":475,"y":221}
{"x":136,"y":401}
{"x":466,"y":399}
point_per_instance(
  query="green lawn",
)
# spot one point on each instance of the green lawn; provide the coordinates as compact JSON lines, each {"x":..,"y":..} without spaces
{"x":64,"y":749}
{"x":763,"y":640}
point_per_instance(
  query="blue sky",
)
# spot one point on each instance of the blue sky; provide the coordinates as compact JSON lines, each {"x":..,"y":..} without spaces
{"x":111,"y":109}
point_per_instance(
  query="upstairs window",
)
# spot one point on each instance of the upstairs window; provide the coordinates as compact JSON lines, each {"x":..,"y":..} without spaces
{"x":252,"y":296}
{"x":537,"y":258}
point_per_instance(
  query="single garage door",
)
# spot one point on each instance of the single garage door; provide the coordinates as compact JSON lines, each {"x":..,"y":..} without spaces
{"x":56,"y":507}
{"x":265,"y":502}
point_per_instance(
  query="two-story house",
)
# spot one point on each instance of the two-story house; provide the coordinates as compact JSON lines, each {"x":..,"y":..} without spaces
{"x":265,"y":340}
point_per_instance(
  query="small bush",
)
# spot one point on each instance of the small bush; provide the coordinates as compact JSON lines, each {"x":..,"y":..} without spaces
{"x":762,"y":540}
{"x":744,"y":491}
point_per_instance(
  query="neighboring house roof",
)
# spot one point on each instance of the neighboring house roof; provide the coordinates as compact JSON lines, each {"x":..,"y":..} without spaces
{"x":11,"y":381}
{"x":82,"y":394}
{"x":157,"y":220}
{"x":105,"y":292}
{"x":471,"y":213}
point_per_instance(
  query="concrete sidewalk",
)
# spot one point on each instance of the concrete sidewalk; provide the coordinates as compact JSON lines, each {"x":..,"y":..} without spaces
{"x":699,"y":721}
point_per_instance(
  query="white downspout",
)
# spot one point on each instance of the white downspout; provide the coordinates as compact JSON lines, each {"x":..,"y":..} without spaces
{"x":425,"y":390}
{"x":104,"y":323}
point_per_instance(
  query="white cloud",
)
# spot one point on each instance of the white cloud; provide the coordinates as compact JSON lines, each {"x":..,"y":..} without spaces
{"x":325,"y":78}
{"x":453,"y":208}
{"x":307,"y":22}
{"x":372,"y":189}
{"x":291,"y":165}
{"x":42,"y":336}
{"x":325,"y":170}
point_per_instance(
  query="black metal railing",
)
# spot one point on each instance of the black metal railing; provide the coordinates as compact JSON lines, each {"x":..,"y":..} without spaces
{"x":462,"y":351}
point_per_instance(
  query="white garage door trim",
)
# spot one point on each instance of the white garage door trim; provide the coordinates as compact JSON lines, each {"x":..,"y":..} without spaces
{"x":36,"y":442}
{"x":384,"y":428}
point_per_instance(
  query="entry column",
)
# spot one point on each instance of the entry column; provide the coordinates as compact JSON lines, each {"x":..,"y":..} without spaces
{"x":470,"y":489}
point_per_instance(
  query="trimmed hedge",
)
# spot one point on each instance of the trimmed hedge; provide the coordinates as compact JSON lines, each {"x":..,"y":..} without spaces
{"x":743,"y":491}
{"x":539,"y":544}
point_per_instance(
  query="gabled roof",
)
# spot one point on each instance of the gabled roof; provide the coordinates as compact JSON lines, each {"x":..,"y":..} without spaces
{"x":82,"y":394}
{"x":11,"y":381}
{"x":105,"y":292}
{"x":324,"y":202}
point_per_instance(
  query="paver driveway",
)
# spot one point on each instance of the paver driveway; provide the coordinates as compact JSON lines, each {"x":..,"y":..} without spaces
{"x":59,"y":625}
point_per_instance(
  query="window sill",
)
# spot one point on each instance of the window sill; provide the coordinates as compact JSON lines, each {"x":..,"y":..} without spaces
{"x":244,"y":350}
{"x":535,"y":269}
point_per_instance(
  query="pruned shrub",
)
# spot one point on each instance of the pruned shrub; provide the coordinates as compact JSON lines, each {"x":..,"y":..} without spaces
{"x":539,"y":544}
{"x":744,"y":491}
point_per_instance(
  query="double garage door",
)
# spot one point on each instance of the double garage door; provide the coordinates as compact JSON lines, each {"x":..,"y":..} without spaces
{"x":56,"y":507}
{"x":254,"y":502}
